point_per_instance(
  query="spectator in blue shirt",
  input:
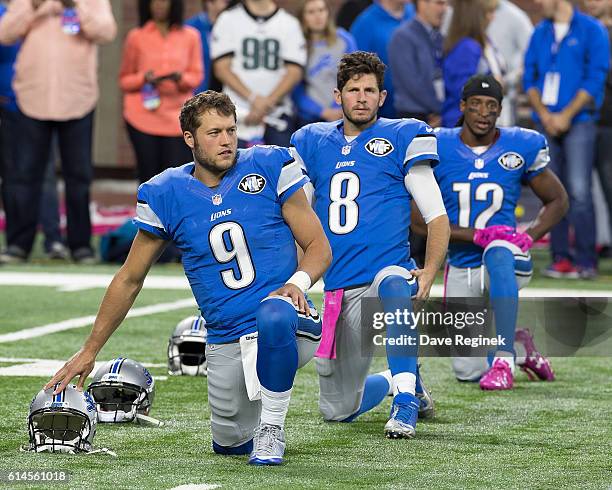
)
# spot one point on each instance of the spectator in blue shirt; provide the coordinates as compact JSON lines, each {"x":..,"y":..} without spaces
{"x":326,"y":44}
{"x":468,"y":52}
{"x":204,"y":22}
{"x":373,"y":30}
{"x":415,"y":58}
{"x":566,"y":66}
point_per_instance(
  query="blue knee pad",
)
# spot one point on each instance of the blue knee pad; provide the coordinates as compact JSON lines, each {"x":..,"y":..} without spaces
{"x":277,"y":322}
{"x":395,"y":293}
{"x":277,"y":353}
{"x":503,"y":293}
{"x":245,"y":448}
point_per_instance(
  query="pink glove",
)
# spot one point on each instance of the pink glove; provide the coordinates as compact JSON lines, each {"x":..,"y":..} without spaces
{"x":521,"y":240}
{"x":483,"y":237}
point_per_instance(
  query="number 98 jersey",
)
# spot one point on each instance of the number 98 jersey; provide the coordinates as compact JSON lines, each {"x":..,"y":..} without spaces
{"x":236,"y":245}
{"x":360,"y":195}
{"x":483,"y":190}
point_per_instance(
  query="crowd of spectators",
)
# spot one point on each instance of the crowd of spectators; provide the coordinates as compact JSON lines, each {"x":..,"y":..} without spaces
{"x":279,"y":67}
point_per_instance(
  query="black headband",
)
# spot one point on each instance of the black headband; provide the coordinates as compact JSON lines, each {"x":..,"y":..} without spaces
{"x":482,"y":85}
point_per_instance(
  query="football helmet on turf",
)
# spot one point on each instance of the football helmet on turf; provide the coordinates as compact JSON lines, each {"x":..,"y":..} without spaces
{"x":65,"y":422}
{"x":187,"y":348}
{"x":122,"y":389}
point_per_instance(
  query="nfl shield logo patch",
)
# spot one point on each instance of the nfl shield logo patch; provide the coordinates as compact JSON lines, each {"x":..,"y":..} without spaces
{"x":217,"y":199}
{"x":479,"y":163}
{"x":346,"y":149}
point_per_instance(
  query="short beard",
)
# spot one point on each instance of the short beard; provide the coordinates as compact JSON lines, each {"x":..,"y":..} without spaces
{"x":207,"y":164}
{"x":358,"y":124}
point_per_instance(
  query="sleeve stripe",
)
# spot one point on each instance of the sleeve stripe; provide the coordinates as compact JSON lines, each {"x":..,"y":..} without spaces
{"x":288,"y":162}
{"x":541,"y":160}
{"x":296,"y":156}
{"x":154,"y":225}
{"x":424,"y":145}
{"x":423,"y":135}
{"x":224,"y":55}
{"x":289,"y":175}
{"x":290,"y":184}
{"x":147,"y":216}
{"x":429,"y":155}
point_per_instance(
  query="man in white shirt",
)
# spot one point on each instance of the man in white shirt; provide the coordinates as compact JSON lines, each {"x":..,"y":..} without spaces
{"x":259,"y":54}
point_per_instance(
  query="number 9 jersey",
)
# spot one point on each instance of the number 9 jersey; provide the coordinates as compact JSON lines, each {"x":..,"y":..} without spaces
{"x":482,"y":190}
{"x":360,"y":195}
{"x":236,"y":245}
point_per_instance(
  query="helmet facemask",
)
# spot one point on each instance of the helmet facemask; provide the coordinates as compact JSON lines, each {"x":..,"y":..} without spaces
{"x":60,"y":429}
{"x":119,"y":402}
{"x":187,"y":356}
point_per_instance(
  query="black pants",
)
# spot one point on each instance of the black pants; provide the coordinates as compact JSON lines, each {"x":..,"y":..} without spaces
{"x":155,"y":154}
{"x":24,"y":178}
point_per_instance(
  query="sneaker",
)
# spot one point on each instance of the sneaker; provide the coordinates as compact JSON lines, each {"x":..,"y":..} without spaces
{"x":404,"y":414}
{"x":587,"y":273}
{"x":268,"y":445}
{"x":426,"y":402}
{"x":561,"y":269}
{"x":498,"y":377}
{"x":58,"y":251}
{"x":13,"y":255}
{"x":535,"y":365}
{"x":84,"y":255}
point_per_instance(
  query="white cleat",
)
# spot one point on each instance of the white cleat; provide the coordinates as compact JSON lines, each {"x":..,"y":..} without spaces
{"x":268,"y":445}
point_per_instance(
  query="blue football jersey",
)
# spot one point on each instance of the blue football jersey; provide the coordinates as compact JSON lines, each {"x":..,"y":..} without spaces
{"x":360,"y":195}
{"x":236,"y":245}
{"x":483,"y":190}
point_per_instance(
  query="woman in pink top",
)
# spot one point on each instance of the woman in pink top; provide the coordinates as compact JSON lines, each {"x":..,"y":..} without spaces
{"x":161,"y":66}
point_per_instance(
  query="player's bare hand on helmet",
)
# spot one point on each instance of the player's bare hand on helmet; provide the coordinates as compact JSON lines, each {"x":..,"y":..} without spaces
{"x":80,"y":364}
{"x":297,"y":297}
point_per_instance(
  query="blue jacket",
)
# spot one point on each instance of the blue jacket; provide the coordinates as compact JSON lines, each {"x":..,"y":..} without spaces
{"x":372,"y":30}
{"x":582,"y":60}
{"x":8,"y":54}
{"x":462,"y":62}
{"x":415,"y":62}
{"x":202,"y":23}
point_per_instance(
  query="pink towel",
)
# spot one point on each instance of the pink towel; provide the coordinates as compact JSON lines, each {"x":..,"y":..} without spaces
{"x":332,"y":305}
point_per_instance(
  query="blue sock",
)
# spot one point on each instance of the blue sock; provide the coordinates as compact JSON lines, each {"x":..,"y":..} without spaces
{"x":245,"y":448}
{"x":375,"y":390}
{"x":277,"y":354}
{"x":419,"y":386}
{"x":503,"y":293}
{"x":395,"y":294}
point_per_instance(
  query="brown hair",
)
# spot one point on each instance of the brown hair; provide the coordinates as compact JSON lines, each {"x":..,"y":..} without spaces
{"x":469,"y":20}
{"x":330,"y":29}
{"x":360,"y":63}
{"x":201,"y":103}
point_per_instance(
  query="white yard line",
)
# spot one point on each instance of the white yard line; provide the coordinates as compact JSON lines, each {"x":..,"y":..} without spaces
{"x":76,"y":282}
{"x":48,"y":367}
{"x":84,"y":321}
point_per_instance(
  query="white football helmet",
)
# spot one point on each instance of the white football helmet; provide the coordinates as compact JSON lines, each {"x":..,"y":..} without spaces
{"x":187,"y":348}
{"x":122,"y":389}
{"x":65,"y":422}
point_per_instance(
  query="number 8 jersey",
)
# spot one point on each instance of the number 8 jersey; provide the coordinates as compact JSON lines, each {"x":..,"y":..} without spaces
{"x":360,"y":195}
{"x":481,"y":190}
{"x":236,"y":245}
